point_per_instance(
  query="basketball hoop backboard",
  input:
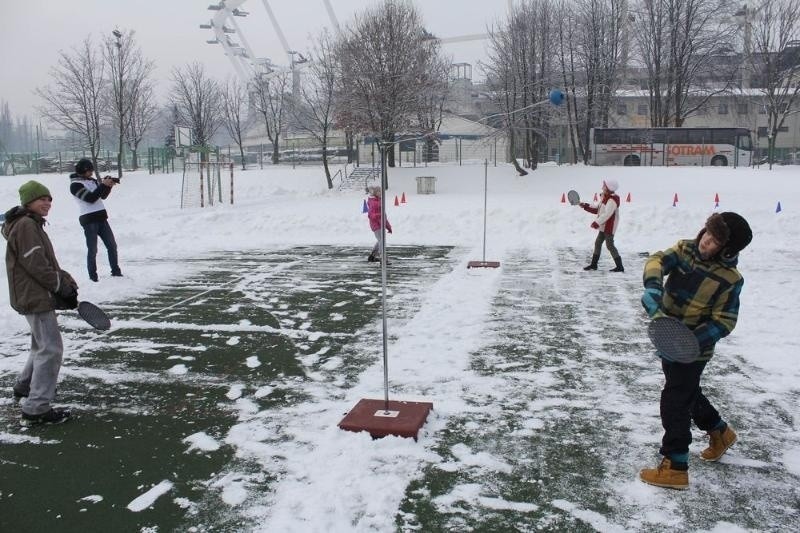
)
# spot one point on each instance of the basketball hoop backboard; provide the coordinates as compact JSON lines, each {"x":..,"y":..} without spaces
{"x":183,"y":136}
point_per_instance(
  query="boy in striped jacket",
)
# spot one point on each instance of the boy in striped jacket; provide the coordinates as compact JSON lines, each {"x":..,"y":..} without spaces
{"x":90,"y":193}
{"x":702,"y":290}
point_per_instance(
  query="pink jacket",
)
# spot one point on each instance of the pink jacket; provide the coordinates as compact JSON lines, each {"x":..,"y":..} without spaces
{"x":374,"y":214}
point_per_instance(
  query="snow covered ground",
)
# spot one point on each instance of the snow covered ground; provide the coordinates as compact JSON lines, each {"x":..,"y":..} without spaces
{"x":545,"y":392}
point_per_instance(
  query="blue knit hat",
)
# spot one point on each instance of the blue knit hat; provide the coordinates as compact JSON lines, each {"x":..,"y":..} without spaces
{"x":32,"y":190}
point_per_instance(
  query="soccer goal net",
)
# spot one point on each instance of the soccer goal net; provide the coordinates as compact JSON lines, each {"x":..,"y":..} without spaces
{"x":206,"y":183}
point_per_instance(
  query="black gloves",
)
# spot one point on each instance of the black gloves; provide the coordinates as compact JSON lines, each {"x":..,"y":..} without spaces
{"x":66,"y":297}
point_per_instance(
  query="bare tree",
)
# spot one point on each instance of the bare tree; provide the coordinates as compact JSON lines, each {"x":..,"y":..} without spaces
{"x":384,"y":57}
{"x":269,"y":93}
{"x":76,"y":100}
{"x":430,"y":104}
{"x":602,"y":54}
{"x":775,"y":61}
{"x":567,"y":35}
{"x":197,"y":102}
{"x":503,"y":85}
{"x":6,"y":127}
{"x":117,"y":53}
{"x":143,"y":108}
{"x":591,"y":51}
{"x":681,"y":43}
{"x":234,"y":113}
{"x":314,"y":109}
{"x":524,"y":46}
{"x":130,"y":91}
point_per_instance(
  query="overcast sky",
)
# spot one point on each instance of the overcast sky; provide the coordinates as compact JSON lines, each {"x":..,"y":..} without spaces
{"x":34,"y":31}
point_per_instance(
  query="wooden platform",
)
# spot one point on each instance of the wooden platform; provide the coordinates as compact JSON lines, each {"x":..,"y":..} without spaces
{"x":403,"y":419}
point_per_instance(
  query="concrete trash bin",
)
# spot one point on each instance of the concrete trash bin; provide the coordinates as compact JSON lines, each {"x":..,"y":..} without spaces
{"x":426,"y":184}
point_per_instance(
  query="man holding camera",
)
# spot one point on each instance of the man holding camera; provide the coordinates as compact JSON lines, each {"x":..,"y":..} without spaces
{"x":37,"y":287}
{"x":90,"y":193}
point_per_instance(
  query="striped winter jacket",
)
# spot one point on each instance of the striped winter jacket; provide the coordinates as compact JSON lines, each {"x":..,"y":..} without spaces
{"x":703,"y":294}
{"x":89,"y":194}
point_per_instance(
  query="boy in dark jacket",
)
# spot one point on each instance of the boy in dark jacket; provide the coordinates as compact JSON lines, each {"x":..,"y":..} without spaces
{"x":702,"y":290}
{"x":90,"y":194}
{"x":37,"y":286}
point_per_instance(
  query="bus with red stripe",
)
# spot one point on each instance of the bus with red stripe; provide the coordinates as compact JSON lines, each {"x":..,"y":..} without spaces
{"x":671,"y":146}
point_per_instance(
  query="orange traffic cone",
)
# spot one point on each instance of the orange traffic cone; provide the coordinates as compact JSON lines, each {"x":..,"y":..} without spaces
{"x":396,"y":201}
{"x":628,"y":199}
{"x":563,"y":198}
{"x":403,"y":198}
{"x":675,"y":200}
{"x":595,"y":197}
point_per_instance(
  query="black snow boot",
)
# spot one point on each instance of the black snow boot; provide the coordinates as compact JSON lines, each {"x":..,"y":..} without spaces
{"x":619,"y":267}
{"x":19,"y":394}
{"x":593,"y":264}
{"x":53,"y":416}
{"x":372,"y":258}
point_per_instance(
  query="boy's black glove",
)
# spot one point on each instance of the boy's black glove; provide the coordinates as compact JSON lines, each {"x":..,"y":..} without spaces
{"x":67,"y":295}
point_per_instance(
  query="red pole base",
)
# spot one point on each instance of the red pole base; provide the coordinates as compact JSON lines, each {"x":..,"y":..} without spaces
{"x":403,"y":419}
{"x":483,"y":264}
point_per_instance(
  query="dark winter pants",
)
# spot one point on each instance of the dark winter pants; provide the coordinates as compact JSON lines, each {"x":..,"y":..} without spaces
{"x":682,"y":401}
{"x":609,"y":240}
{"x":102,"y":229}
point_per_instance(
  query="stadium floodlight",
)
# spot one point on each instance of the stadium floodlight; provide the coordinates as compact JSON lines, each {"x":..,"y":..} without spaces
{"x":206,"y":26}
{"x":294,"y":61}
{"x":213,"y":41}
{"x":239,"y":13}
{"x":216,"y":7}
{"x":226,"y":29}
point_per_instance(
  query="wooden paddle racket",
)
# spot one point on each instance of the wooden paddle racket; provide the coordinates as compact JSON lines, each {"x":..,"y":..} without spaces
{"x":573,"y":197}
{"x":673,"y":340}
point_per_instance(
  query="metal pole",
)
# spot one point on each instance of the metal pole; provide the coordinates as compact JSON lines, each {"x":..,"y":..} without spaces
{"x":384,"y":182}
{"x":485,"y":195}
{"x":200,"y":165}
{"x":38,"y":150}
{"x":118,"y":35}
{"x":219,"y":180}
